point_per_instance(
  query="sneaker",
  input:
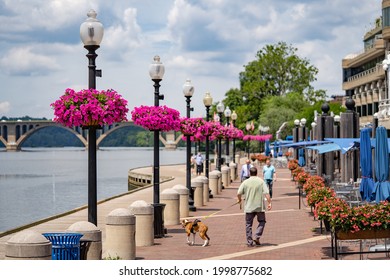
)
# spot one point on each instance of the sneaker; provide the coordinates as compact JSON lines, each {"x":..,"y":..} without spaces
{"x":251,"y":245}
{"x":257,"y":242}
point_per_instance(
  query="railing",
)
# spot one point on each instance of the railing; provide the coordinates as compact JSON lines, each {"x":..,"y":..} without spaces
{"x":370,"y":71}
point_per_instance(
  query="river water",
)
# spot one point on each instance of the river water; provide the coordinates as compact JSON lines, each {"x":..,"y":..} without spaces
{"x":38,"y":183}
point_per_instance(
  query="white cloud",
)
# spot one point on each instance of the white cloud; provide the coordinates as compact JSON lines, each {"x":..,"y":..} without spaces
{"x":123,"y":37}
{"x":207,"y":41}
{"x":23,"y":61}
{"x":47,"y":14}
{"x":4,"y":107}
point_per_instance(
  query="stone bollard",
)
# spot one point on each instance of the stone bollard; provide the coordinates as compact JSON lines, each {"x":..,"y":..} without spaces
{"x":120,"y":235}
{"x":28,"y":245}
{"x":206,"y":189}
{"x":225,"y":176}
{"x":144,"y":226}
{"x":213,"y":182}
{"x":219,"y":173}
{"x":183,"y":200}
{"x":237,"y":159}
{"x":233,"y":168}
{"x":197,"y":185}
{"x":170,"y":198}
{"x":93,"y":236}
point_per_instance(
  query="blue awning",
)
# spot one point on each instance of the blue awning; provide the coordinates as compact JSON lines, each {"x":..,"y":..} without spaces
{"x":345,"y":144}
{"x":304,"y":144}
{"x":325,"y":148}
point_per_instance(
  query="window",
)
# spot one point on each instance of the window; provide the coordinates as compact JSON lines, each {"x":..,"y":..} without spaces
{"x":370,"y":107}
{"x":386,"y":16}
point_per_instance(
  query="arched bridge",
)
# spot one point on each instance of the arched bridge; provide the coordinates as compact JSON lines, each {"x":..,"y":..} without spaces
{"x":14,"y":133}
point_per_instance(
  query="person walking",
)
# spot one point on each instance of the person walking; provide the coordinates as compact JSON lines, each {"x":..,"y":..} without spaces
{"x":245,"y":170}
{"x":269,"y":175}
{"x":199,"y":163}
{"x":254,"y":190}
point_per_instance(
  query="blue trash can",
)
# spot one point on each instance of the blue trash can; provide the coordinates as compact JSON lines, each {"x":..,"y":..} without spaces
{"x":65,"y":246}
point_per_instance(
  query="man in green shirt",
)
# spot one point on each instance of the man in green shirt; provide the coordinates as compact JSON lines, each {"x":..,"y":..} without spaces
{"x":254,"y":189}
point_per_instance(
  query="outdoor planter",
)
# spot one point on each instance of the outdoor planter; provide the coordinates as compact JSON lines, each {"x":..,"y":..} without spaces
{"x":363,"y":234}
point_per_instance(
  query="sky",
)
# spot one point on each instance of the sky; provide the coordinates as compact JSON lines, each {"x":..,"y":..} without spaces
{"x":206,"y":41}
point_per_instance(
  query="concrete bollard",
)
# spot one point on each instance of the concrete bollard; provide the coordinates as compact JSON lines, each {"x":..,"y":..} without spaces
{"x":170,"y":198}
{"x":225,"y":176}
{"x":28,"y":245}
{"x":219,"y":180}
{"x":205,"y":181}
{"x":91,"y":234}
{"x":233,"y":168}
{"x":237,"y":159}
{"x":183,"y":200}
{"x":197,"y":185}
{"x":144,"y":226}
{"x":120,"y":235}
{"x":213,"y":182}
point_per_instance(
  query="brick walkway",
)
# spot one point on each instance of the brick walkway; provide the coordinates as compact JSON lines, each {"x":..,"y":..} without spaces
{"x":290,"y":233}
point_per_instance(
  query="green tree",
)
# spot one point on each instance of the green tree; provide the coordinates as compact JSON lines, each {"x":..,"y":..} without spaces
{"x":280,"y":109}
{"x":277,"y":71}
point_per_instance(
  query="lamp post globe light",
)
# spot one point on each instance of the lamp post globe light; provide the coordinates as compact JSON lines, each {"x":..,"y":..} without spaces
{"x":228,"y":114}
{"x":220,"y":110}
{"x":303,"y":124}
{"x":188,"y":91}
{"x":156,"y":73}
{"x":207,"y":101}
{"x":91,"y":34}
{"x":234,"y":118}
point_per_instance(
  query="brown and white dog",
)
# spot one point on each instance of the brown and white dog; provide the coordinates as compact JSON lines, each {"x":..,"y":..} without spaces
{"x":194,"y":227}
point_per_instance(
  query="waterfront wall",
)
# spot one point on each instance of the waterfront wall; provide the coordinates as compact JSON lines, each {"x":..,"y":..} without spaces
{"x":136,"y":179}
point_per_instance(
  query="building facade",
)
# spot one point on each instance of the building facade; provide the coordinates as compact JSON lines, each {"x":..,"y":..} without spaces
{"x":364,"y":77}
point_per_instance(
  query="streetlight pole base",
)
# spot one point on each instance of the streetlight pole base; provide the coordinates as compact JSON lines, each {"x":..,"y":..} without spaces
{"x":159,"y":230}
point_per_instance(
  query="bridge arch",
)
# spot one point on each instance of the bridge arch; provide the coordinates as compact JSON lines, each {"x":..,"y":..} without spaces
{"x":107,"y":130}
{"x":28,"y":133}
{"x":14,"y":133}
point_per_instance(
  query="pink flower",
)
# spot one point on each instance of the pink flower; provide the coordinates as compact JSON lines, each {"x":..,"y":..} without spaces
{"x":190,"y":126}
{"x":160,"y":118}
{"x":89,"y":106}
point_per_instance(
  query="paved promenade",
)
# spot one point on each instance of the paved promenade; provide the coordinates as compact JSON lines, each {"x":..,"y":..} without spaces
{"x":290,"y":233}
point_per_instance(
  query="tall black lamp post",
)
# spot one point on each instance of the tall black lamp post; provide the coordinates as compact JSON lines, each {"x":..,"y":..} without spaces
{"x":296,"y":136}
{"x":188,"y":90}
{"x":207,"y":101}
{"x":156,"y":72}
{"x":220,"y":109}
{"x":248,"y":128}
{"x":228,"y":114}
{"x":234,"y":118}
{"x":336,"y":134}
{"x":313,"y":137}
{"x":91,"y":33}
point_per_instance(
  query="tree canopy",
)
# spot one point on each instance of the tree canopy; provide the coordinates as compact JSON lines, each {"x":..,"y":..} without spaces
{"x":275,"y":88}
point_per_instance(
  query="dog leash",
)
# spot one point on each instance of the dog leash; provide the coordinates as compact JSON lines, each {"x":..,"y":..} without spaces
{"x":222,"y":210}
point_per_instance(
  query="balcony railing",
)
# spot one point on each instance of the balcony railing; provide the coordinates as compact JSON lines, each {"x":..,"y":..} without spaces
{"x":370,"y":71}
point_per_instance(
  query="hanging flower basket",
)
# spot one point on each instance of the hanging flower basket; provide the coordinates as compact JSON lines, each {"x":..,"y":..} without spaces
{"x":161,"y":118}
{"x":89,"y":107}
{"x":190,"y":126}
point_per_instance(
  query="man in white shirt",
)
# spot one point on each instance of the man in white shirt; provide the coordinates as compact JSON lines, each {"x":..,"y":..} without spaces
{"x":199,"y":164}
{"x":245,"y":170}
